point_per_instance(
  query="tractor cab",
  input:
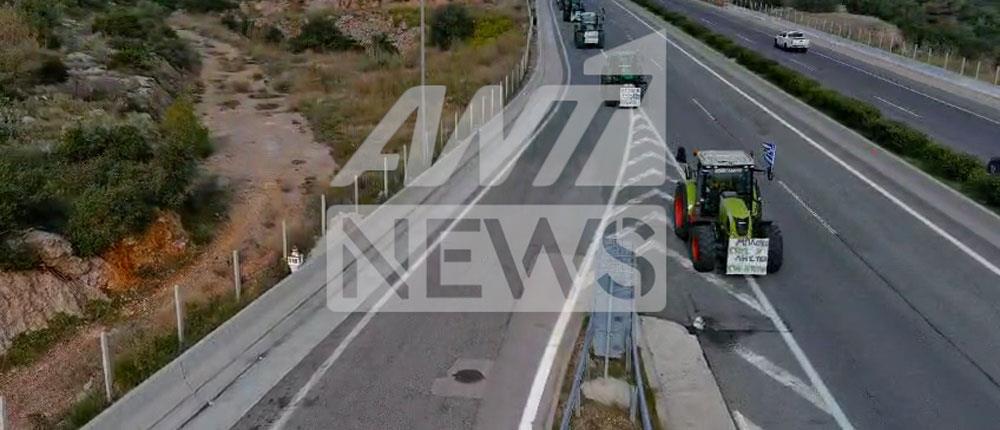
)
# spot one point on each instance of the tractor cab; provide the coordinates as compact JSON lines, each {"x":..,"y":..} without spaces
{"x":720,"y":175}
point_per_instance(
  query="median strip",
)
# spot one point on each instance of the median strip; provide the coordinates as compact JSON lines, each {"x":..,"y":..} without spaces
{"x":960,"y":170}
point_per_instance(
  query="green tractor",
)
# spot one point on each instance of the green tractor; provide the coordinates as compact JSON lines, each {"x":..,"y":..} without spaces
{"x":718,"y":211}
{"x":622,"y":81}
{"x":589,"y":30}
{"x":571,"y":9}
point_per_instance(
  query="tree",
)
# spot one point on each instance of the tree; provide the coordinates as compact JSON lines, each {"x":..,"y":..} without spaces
{"x":451,"y":23}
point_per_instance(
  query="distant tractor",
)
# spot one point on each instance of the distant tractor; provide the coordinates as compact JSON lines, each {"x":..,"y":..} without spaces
{"x":622,"y":81}
{"x":718,"y":210}
{"x":571,"y":9}
{"x":589,"y":30}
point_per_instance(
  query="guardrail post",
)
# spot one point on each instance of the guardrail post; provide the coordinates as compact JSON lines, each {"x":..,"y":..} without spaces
{"x":915,"y":47}
{"x":237,"y":282}
{"x":322,"y":204}
{"x":979,"y":65}
{"x":106,"y":366}
{"x":284,"y":241}
{"x":179,"y":312}
{"x":3,"y":415}
{"x":947,"y":57}
{"x":385,"y":174}
{"x":962,"y":72}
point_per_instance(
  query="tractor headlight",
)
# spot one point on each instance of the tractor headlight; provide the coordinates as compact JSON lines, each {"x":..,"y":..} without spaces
{"x":742,"y":227}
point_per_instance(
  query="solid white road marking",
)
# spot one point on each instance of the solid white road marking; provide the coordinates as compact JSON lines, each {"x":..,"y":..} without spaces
{"x":807,"y":208}
{"x":642,"y":176}
{"x":649,"y":194}
{"x":656,"y":64}
{"x":314,"y":379}
{"x":814,"y":378}
{"x":645,"y":156}
{"x":878,"y":188}
{"x":951,"y":105}
{"x":897,"y":106}
{"x":781,"y":375}
{"x":707,"y":113}
{"x":744,"y":423}
{"x":715,"y":280}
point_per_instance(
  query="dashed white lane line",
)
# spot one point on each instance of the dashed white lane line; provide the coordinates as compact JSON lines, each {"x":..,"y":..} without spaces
{"x":781,"y":375}
{"x":744,"y":423}
{"x":897,"y":106}
{"x":707,"y":21}
{"x":747,"y":39}
{"x":656,"y":64}
{"x":839,"y":161}
{"x":832,"y":406}
{"x":804,"y":65}
{"x":822,"y":221}
{"x":951,"y":105}
{"x":707,"y":113}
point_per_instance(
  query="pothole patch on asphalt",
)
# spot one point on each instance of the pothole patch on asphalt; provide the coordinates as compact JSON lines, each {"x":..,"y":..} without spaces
{"x":466,"y":378}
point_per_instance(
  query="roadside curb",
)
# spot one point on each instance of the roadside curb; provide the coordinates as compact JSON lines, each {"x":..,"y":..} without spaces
{"x":687,"y":395}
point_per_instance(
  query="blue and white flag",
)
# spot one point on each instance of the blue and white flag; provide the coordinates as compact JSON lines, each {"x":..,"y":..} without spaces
{"x":770,"y":152}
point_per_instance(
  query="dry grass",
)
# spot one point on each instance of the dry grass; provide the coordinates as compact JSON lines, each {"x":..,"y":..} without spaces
{"x":241,"y":87}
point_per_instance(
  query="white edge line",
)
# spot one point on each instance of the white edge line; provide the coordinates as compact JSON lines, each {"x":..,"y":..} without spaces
{"x":744,"y":423}
{"x":885,"y":193}
{"x":703,"y":109}
{"x":781,"y":376}
{"x":300,"y":395}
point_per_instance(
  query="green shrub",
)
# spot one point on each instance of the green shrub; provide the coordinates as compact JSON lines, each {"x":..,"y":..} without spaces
{"x":322,"y":34}
{"x":118,"y":141}
{"x":273,"y":35}
{"x":124,"y":22}
{"x":15,"y":255}
{"x":451,"y":23}
{"x":131,"y":56}
{"x":405,"y":15}
{"x":181,"y":126}
{"x":102,"y":216}
{"x":985,"y":187}
{"x":489,"y":27}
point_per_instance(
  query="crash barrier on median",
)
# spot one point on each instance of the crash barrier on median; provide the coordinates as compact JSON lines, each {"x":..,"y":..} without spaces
{"x":612,"y":332}
{"x":962,"y":169}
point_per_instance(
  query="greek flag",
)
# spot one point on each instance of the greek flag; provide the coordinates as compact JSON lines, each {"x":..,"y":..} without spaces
{"x":770,"y":151}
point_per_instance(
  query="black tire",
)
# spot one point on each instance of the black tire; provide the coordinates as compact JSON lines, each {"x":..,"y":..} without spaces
{"x":804,"y":50}
{"x":702,"y":245}
{"x":775,"y":248}
{"x":578,"y":43}
{"x":776,"y":43}
{"x":680,"y":211}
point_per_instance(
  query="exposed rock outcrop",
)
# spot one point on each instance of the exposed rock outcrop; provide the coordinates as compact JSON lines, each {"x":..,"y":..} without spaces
{"x":29,"y":299}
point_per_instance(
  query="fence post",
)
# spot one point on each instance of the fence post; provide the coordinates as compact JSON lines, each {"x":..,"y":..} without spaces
{"x":284,"y":241}
{"x":849,"y":32}
{"x":106,"y":365}
{"x":322,"y":209}
{"x":930,"y":53}
{"x":996,"y":76}
{"x":979,"y":65}
{"x":881,"y":38}
{"x":3,"y":415}
{"x":356,"y":194}
{"x":179,"y":311}
{"x":870,"y":37}
{"x":962,"y":72}
{"x":947,"y":56}
{"x":493,"y":102}
{"x":915,"y":46}
{"x":237,"y":282}
{"x":385,"y":176}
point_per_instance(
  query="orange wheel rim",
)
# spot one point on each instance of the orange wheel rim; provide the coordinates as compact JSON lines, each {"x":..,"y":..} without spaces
{"x":694,"y":248}
{"x":678,"y":213}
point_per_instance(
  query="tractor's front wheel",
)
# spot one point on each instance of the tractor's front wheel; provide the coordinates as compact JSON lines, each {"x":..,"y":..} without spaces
{"x":775,"y":248}
{"x":703,"y":248}
{"x":680,"y":211}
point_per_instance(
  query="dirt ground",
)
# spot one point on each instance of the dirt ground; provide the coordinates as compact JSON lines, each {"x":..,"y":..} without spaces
{"x":267,"y":156}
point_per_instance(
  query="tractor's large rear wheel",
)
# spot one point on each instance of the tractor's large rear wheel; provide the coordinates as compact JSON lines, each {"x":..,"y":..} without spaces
{"x":680,"y":211}
{"x":775,"y":248}
{"x":702,"y":245}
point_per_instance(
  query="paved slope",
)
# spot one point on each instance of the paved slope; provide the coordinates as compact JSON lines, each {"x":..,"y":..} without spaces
{"x":950,"y":119}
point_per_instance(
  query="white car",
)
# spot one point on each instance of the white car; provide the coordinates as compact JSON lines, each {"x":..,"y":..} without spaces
{"x":793,"y":40}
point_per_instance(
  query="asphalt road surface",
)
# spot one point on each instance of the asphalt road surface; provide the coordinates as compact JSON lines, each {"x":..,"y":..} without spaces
{"x":950,"y":119}
{"x":884,"y":315}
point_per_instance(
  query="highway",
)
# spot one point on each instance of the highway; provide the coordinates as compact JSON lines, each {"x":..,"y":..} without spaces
{"x":952,"y":120}
{"x":883,"y":316}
